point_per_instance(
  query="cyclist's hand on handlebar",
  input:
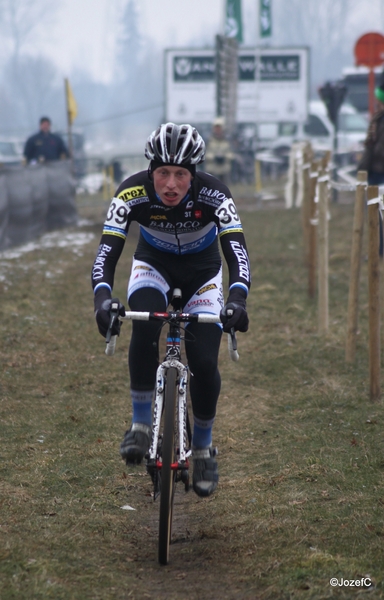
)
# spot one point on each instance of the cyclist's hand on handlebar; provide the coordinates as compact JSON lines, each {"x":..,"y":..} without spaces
{"x":234,"y":314}
{"x":103,"y":305}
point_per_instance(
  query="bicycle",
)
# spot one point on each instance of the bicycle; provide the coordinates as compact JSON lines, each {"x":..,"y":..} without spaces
{"x":171,"y":443}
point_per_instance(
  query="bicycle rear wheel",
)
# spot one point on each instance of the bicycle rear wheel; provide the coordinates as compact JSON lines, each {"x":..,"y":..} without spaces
{"x":168,"y":475}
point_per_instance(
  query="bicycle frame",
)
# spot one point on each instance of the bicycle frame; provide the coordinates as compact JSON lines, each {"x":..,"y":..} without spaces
{"x":172,"y":359}
{"x":170,"y":407}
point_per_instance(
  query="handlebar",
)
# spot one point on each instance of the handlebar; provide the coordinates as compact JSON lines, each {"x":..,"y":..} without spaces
{"x":135,"y":315}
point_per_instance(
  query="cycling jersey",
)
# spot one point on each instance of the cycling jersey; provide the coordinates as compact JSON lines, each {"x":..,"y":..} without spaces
{"x":186,"y":233}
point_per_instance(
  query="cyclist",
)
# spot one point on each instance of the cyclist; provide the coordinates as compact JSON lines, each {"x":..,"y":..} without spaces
{"x":181,"y":212}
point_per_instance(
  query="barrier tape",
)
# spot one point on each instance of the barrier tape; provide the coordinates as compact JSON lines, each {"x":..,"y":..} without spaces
{"x":351,"y":185}
{"x":342,"y":187}
{"x":378,"y":200}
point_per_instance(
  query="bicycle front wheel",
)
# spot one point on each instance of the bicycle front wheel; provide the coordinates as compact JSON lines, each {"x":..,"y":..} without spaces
{"x":168,"y":475}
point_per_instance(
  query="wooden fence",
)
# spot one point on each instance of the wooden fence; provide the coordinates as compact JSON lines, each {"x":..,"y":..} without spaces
{"x":308,"y":188}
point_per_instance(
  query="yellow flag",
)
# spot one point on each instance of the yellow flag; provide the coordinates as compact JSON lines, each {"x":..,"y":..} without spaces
{"x":71,"y":103}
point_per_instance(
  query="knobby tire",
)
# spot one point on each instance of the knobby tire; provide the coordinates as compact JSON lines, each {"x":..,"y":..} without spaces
{"x":167,"y":474}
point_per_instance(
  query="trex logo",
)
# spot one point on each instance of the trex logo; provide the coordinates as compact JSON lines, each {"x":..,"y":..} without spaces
{"x":132,"y":193}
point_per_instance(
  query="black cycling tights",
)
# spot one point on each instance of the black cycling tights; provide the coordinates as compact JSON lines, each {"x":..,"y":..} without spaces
{"x":202,"y":342}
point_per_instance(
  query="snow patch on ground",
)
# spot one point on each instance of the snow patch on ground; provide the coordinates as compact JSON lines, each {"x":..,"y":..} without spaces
{"x":55,"y":239}
{"x":74,"y":240}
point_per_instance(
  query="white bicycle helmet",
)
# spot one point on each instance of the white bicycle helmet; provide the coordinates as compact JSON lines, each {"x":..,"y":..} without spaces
{"x":175,"y":144}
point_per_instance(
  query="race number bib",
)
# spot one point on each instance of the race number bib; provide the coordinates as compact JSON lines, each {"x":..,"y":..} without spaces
{"x":117,"y":214}
{"x":227,"y":214}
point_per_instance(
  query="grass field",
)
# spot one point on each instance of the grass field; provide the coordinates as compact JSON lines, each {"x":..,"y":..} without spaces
{"x":301,"y":450}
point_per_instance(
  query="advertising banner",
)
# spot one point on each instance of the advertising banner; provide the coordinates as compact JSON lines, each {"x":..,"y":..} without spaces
{"x":233,"y":20}
{"x":190,"y":86}
{"x":272,"y":85}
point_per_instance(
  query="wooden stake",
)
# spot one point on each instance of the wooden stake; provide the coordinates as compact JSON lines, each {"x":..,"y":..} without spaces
{"x":374,"y":294}
{"x":299,"y":163}
{"x":312,"y":230}
{"x":326,"y":160}
{"x":291,"y":179}
{"x":306,"y":195}
{"x":105,"y":183}
{"x":258,"y":182}
{"x":323,"y":253}
{"x":111,"y":182}
{"x":354,"y":277}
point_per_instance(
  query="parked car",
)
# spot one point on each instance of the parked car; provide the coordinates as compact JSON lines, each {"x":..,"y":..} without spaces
{"x":11,"y":151}
{"x":318,"y":129}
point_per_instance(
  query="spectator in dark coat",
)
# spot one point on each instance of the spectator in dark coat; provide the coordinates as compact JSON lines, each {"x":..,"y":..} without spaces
{"x":44,"y":145}
{"x":373,"y":157}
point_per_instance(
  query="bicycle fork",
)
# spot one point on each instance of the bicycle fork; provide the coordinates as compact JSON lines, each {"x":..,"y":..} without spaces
{"x":154,"y":463}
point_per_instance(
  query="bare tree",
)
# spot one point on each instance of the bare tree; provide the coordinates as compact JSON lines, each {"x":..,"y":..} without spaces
{"x":26,"y":80}
{"x":138,"y":82}
{"x":130,"y":43}
{"x":36,"y":91}
{"x":20,"y":20}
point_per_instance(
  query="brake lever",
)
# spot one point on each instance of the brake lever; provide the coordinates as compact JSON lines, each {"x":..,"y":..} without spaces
{"x":232,"y":340}
{"x":114,"y":312}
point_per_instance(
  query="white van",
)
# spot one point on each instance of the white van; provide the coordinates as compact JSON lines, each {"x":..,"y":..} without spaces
{"x":318,"y":129}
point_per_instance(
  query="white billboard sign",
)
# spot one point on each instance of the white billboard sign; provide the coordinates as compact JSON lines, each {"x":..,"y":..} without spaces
{"x":272,"y":85}
{"x":190,"y":86}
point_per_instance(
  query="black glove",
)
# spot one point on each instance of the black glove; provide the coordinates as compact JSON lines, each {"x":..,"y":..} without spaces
{"x":103,"y":303}
{"x":239,"y":319}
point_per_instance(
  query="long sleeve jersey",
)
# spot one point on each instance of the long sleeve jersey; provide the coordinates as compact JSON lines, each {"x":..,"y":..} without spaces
{"x":187,"y":232}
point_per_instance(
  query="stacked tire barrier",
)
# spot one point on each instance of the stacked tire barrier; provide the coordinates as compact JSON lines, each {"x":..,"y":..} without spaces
{"x":35,"y":199}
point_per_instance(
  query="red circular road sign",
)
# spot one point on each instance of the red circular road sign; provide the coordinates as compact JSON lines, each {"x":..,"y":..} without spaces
{"x":369,"y":50}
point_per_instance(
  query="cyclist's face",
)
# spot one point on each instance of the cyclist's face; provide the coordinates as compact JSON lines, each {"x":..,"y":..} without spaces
{"x":171,"y":184}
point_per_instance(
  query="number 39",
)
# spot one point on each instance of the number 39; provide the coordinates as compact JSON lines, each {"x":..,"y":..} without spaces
{"x":117,"y":214}
{"x":228,"y":213}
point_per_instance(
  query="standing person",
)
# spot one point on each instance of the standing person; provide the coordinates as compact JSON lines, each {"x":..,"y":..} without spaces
{"x":182,"y":213}
{"x":44,"y":145}
{"x":373,"y":156}
{"x":219,"y":155}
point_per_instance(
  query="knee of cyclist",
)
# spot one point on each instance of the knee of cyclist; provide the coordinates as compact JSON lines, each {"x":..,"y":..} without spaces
{"x":145,"y":330}
{"x":145,"y":299}
{"x":205,"y":369}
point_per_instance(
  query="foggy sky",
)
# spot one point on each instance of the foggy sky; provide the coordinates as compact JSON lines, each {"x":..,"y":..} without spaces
{"x":81,"y":40}
{"x":94,"y":28}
